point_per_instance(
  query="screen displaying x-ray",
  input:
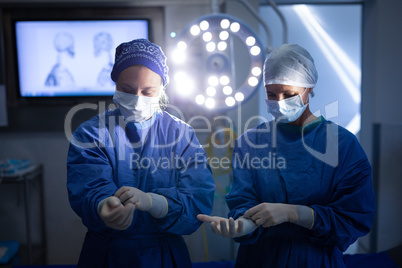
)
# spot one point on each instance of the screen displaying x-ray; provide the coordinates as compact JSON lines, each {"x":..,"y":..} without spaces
{"x":71,"y":58}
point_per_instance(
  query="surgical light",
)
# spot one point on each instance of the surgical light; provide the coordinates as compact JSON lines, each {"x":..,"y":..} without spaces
{"x":184,"y":84}
{"x":227,"y":90}
{"x":179,"y":56}
{"x":239,"y":96}
{"x":225,"y":23}
{"x":211,"y":91}
{"x":235,"y":27}
{"x":200,"y":99}
{"x":210,"y":47}
{"x":211,"y":42}
{"x":224,"y":80}
{"x":230,"y":101}
{"x":250,"y":41}
{"x":210,"y":103}
{"x":224,"y":35}
{"x":256,"y":71}
{"x":204,"y":25}
{"x":222,"y":46}
{"x":195,"y":30}
{"x":255,"y":50}
{"x":253,"y":81}
{"x":207,"y":36}
{"x":182,"y":45}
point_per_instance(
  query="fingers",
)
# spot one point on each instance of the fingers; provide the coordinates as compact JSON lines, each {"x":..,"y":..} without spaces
{"x":232,"y":227}
{"x":121,"y":191}
{"x":224,"y":228}
{"x":249,"y":213}
{"x":257,"y":216}
{"x":121,"y":218}
{"x":111,"y":215}
{"x":240,"y":226}
{"x":113,"y":202}
{"x":205,"y":218}
{"x":215,"y":229}
{"x":128,"y":216}
{"x":127,"y":197}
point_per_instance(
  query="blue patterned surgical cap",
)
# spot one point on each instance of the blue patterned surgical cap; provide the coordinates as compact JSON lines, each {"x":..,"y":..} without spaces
{"x":142,"y":52}
{"x":290,"y":65}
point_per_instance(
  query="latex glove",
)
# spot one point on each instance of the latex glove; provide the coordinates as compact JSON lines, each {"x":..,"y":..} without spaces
{"x":114,"y":214}
{"x":228,"y":227}
{"x":270,"y":214}
{"x":155,"y":204}
{"x":142,"y":201}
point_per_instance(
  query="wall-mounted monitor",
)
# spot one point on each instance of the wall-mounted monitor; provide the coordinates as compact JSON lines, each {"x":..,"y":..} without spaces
{"x":71,"y":58}
{"x":62,"y":54}
{"x":57,"y":55}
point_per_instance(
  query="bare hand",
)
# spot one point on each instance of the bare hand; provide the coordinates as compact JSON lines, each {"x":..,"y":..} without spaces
{"x":222,"y":226}
{"x":115,"y":215}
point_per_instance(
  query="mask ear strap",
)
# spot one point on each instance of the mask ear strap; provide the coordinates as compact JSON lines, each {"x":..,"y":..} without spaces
{"x":308,"y":99}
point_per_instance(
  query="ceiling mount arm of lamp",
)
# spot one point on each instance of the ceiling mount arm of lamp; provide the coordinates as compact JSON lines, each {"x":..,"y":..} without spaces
{"x":284,"y":24}
{"x":215,"y":6}
{"x":260,"y":20}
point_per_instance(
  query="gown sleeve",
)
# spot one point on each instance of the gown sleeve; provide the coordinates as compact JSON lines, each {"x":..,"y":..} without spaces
{"x":242,"y":195}
{"x":351,"y":208}
{"x":89,"y":175}
{"x":194,"y":191}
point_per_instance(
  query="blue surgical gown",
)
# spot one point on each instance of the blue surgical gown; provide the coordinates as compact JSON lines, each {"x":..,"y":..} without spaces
{"x":321,"y":166}
{"x":161,"y":155}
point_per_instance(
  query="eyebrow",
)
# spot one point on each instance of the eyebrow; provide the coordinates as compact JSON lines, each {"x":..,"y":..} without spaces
{"x":285,"y":91}
{"x":144,"y":88}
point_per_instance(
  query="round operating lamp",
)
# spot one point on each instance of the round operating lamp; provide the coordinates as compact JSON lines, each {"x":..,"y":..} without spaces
{"x":206,"y":60}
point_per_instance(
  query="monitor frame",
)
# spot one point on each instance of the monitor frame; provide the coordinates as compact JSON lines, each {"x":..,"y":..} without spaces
{"x":154,"y":16}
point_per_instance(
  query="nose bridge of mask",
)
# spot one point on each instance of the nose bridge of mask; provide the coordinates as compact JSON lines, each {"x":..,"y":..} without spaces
{"x":298,"y":99}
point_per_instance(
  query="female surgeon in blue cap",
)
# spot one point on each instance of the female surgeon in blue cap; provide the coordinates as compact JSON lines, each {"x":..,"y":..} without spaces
{"x":138,"y":176}
{"x":304,"y":205}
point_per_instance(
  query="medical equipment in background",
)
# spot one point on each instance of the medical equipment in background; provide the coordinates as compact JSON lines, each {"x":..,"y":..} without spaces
{"x":216,"y":65}
{"x":207,"y":57}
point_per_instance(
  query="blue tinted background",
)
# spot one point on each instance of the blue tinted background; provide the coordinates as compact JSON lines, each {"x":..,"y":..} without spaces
{"x":332,"y":35}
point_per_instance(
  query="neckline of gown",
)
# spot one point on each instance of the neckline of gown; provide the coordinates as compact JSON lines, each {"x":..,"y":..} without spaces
{"x":306,"y":128}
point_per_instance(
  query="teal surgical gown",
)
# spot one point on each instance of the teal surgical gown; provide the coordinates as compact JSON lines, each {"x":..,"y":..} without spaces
{"x":321,"y":166}
{"x":161,"y":155}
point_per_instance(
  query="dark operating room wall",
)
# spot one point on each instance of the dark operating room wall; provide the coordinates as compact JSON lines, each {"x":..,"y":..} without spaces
{"x":381,"y":117}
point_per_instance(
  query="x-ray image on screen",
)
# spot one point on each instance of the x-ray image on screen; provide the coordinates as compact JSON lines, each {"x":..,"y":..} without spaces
{"x":71,"y":58}
{"x":103,"y":47}
{"x":60,"y":76}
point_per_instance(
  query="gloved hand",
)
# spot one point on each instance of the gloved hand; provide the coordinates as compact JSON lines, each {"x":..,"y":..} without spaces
{"x":114,"y":214}
{"x":142,"y":201}
{"x":271,"y":214}
{"x":155,"y":204}
{"x":229,"y":227}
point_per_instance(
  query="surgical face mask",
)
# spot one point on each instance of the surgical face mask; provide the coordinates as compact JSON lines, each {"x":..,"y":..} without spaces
{"x":287,"y":110}
{"x":135,"y":108}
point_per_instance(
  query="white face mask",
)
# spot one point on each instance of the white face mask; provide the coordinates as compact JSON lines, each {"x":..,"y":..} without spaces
{"x":135,"y":108}
{"x":287,"y":110}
